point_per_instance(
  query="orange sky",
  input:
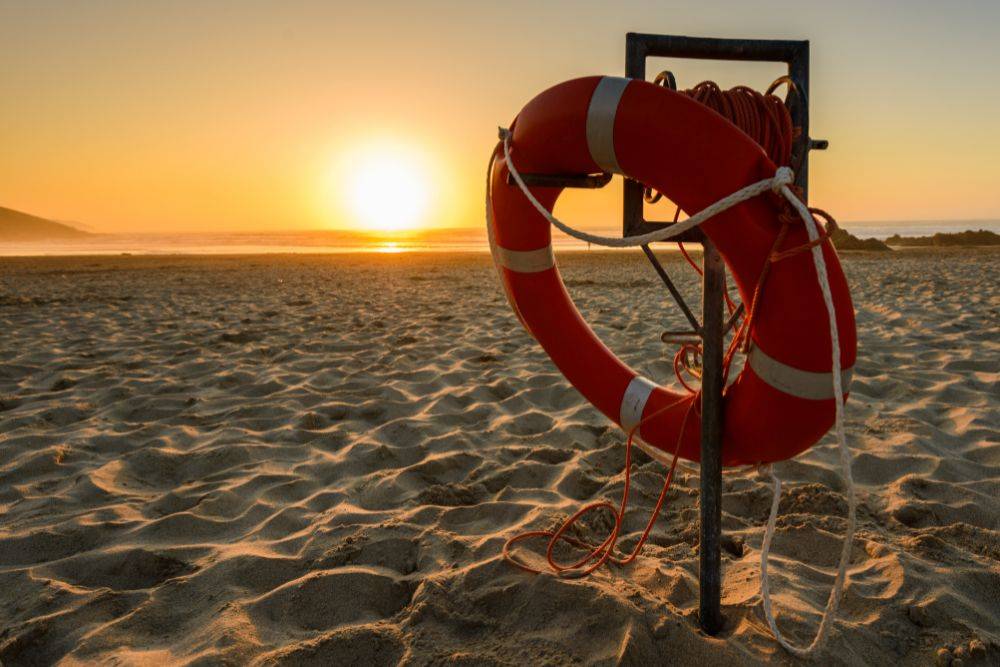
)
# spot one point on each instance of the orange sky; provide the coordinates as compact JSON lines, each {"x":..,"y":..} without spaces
{"x":232,"y":116}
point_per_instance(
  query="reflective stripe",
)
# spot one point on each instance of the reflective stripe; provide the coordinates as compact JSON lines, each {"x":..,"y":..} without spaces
{"x":526,"y":261}
{"x":801,"y":384}
{"x":601,"y":122}
{"x":634,"y":402}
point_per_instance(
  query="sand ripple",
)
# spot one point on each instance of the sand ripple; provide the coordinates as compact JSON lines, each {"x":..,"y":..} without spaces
{"x":315,"y":460}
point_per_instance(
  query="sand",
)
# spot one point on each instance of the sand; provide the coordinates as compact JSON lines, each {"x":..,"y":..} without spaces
{"x":316,"y":460}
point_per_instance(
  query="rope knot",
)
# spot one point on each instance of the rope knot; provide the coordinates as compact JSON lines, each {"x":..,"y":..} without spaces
{"x":782,"y":177}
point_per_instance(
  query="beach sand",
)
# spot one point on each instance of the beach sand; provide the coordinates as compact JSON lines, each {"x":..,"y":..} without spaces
{"x":317,"y":459}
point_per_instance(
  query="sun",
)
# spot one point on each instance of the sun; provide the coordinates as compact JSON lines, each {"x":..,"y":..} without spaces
{"x":387,"y":187}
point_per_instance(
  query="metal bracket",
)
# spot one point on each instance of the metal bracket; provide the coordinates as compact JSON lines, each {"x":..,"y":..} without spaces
{"x":665,"y":277}
{"x":733,"y":319}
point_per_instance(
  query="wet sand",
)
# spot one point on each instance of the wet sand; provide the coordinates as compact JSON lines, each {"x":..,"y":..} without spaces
{"x":317,"y":459}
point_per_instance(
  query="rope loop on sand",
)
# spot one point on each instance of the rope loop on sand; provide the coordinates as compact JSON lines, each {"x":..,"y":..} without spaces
{"x":839,"y":583}
{"x":781,"y":184}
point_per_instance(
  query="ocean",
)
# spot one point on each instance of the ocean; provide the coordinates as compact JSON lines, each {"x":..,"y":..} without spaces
{"x":344,"y":241}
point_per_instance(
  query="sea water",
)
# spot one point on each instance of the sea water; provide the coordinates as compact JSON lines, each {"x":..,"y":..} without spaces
{"x":471,"y":239}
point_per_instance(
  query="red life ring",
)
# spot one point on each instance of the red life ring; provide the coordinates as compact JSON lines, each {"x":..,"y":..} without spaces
{"x":782,"y":401}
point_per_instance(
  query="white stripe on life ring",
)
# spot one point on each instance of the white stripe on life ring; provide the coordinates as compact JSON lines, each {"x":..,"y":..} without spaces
{"x":526,"y":261}
{"x":633,"y":405}
{"x":801,"y":384}
{"x":601,"y":122}
{"x":634,"y":402}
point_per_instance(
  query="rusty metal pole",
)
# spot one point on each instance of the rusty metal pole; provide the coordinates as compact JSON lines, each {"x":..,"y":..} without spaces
{"x":710,"y":575}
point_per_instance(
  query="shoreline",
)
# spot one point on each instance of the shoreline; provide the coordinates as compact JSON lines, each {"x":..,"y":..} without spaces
{"x":460,"y":240}
{"x":469,"y":252}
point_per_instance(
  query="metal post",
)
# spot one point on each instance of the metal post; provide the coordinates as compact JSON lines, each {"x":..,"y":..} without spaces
{"x":795,"y":54}
{"x":710,"y":576}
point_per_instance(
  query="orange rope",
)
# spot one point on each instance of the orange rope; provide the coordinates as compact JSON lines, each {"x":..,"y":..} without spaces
{"x":776,"y":256}
{"x":730,"y":304}
{"x":763,"y":116}
{"x":604,"y":551}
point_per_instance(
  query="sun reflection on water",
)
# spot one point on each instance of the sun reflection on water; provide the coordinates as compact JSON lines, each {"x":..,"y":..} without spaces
{"x":389,"y":247}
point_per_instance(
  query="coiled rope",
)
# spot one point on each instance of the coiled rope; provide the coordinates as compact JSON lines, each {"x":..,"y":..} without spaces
{"x":604,"y":552}
{"x":768,"y":123}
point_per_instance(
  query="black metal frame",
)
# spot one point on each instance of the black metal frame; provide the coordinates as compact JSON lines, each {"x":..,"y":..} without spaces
{"x":714,"y":326}
{"x":712,"y":331}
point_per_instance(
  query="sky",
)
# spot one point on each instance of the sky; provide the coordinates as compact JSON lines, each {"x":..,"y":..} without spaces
{"x":255,"y":116}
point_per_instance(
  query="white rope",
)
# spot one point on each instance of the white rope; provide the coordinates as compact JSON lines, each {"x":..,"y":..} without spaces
{"x":845,"y":460}
{"x":779,"y":183}
{"x":781,"y":179}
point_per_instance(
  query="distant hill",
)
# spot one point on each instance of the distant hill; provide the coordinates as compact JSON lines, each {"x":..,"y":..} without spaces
{"x":17,"y":226}
{"x":968,"y":237}
{"x":844,"y":240}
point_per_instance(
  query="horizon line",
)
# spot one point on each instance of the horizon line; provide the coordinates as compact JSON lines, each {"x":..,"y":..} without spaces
{"x":464,"y":228}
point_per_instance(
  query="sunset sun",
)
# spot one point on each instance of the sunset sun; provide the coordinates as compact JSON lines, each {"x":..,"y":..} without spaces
{"x":387,"y":188}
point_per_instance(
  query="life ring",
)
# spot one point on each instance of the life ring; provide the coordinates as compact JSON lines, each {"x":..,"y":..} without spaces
{"x":782,"y":401}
